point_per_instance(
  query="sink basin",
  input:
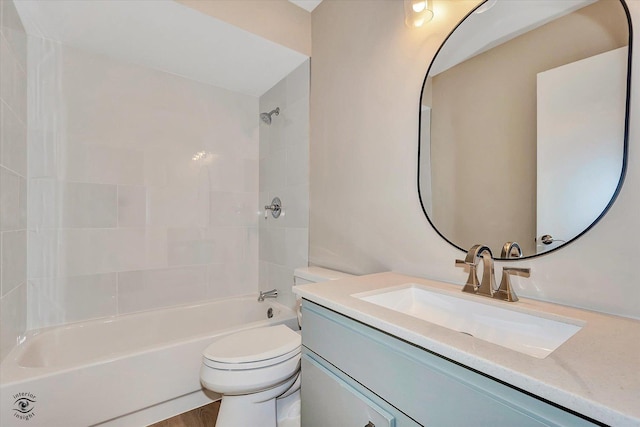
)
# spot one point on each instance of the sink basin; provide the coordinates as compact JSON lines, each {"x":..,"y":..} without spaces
{"x":526,"y":333}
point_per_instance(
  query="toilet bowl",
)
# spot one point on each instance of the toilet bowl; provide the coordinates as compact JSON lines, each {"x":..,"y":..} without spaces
{"x":251,"y":369}
{"x":257,"y":371}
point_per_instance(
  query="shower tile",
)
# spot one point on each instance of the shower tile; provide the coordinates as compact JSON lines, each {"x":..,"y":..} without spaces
{"x":251,"y":175}
{"x":42,"y":311}
{"x":14,"y":260}
{"x":71,"y":205}
{"x":275,"y":131}
{"x":189,"y":246}
{"x":132,"y":206}
{"x":13,"y":201}
{"x":14,"y":33}
{"x":156,"y":247}
{"x":13,"y":317}
{"x":85,"y":251}
{"x":233,"y":209}
{"x":103,"y":165}
{"x":250,"y":242}
{"x":272,"y":243}
{"x":298,"y":164}
{"x":263,"y":275}
{"x":43,"y":151}
{"x":297,"y":83}
{"x":281,"y":278}
{"x":13,"y":141}
{"x":263,"y":143}
{"x":88,"y":205}
{"x":77,"y":298}
{"x":296,"y":207}
{"x":43,"y":205}
{"x":297,"y":247}
{"x":229,"y":173}
{"x":43,"y":253}
{"x":13,"y":81}
{"x":225,"y":280}
{"x":177,"y":205}
{"x":148,"y":289}
{"x":230,"y":244}
{"x":274,"y":97}
{"x":296,"y":127}
{"x":273,"y":171}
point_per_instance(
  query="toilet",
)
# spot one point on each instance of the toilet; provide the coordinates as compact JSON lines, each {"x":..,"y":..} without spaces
{"x":257,"y":371}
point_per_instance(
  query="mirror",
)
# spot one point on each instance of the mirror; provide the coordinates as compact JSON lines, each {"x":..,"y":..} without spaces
{"x":523,"y":123}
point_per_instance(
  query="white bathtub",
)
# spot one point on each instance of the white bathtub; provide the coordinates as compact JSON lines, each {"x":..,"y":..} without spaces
{"x":129,"y":370}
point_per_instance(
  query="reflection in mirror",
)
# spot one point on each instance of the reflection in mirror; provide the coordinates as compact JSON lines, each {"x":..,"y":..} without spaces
{"x":523,"y":118}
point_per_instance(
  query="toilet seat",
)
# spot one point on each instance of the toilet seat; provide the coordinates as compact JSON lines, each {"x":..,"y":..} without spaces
{"x":253,"y":348}
{"x":252,"y":365}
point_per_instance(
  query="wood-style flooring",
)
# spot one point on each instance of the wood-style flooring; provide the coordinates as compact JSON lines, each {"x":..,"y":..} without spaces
{"x":205,"y":416}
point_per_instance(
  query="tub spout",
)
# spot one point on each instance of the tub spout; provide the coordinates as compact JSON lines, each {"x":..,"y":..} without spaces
{"x":273,"y":293}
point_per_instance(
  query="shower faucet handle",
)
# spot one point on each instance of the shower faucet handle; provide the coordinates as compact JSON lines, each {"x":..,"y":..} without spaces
{"x":275,"y":207}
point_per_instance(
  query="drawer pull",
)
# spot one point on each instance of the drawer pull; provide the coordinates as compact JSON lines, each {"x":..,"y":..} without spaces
{"x":370,"y":424}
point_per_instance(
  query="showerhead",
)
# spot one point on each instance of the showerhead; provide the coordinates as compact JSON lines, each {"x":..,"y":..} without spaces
{"x":266,"y":117}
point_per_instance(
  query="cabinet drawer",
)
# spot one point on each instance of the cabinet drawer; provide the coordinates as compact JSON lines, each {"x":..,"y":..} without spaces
{"x":430,"y":389}
{"x":333,"y":402}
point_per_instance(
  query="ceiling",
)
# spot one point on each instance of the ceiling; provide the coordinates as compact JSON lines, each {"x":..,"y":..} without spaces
{"x":307,"y":5}
{"x":167,"y":36}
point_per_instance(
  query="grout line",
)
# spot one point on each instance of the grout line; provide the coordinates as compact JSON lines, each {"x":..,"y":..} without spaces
{"x":13,"y":172}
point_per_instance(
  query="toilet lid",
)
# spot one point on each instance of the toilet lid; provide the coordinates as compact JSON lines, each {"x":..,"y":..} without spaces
{"x":254,"y":345}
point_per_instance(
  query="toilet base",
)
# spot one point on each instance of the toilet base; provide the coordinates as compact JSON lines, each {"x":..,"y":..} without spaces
{"x":288,"y":409}
{"x":254,"y":409}
{"x":234,"y":412}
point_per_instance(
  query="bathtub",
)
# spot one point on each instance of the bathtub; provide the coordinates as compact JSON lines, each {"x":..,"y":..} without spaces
{"x":131,"y":370}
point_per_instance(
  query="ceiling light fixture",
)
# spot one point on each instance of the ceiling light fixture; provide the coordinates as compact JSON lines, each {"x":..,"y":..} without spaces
{"x":417,"y":13}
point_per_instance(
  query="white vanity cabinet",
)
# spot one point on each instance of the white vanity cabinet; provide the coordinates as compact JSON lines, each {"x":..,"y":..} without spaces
{"x":353,"y":374}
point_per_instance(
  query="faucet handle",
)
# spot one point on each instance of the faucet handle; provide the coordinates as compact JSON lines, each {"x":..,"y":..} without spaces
{"x":472,"y":281}
{"x":505,"y":291}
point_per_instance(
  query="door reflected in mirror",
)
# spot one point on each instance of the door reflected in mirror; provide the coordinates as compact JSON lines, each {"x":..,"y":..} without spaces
{"x":523,"y":123}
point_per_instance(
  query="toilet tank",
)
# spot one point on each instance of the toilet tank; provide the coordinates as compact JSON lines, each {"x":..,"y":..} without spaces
{"x":305,"y":275}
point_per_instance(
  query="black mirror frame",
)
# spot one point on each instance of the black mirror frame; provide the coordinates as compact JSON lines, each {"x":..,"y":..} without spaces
{"x":625,"y":153}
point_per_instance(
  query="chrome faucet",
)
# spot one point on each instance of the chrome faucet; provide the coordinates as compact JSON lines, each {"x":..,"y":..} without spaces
{"x":487,"y":287}
{"x":273,"y":293}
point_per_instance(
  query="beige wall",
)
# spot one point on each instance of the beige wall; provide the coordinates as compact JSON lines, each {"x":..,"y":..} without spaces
{"x":280,"y":21}
{"x":367,"y":72}
{"x":466,"y":135}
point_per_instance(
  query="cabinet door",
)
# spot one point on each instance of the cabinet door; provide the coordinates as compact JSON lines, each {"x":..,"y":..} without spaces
{"x":329,"y":401}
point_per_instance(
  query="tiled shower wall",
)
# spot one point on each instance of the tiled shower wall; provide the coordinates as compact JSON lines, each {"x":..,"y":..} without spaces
{"x":143,"y":188}
{"x":13,"y":177}
{"x":284,"y":172}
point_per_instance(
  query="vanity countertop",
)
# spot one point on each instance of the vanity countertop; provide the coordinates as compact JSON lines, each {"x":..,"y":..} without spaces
{"x":595,"y":373}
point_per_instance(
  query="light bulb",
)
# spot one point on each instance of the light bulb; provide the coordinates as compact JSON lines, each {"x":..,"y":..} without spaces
{"x":419,"y":5}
